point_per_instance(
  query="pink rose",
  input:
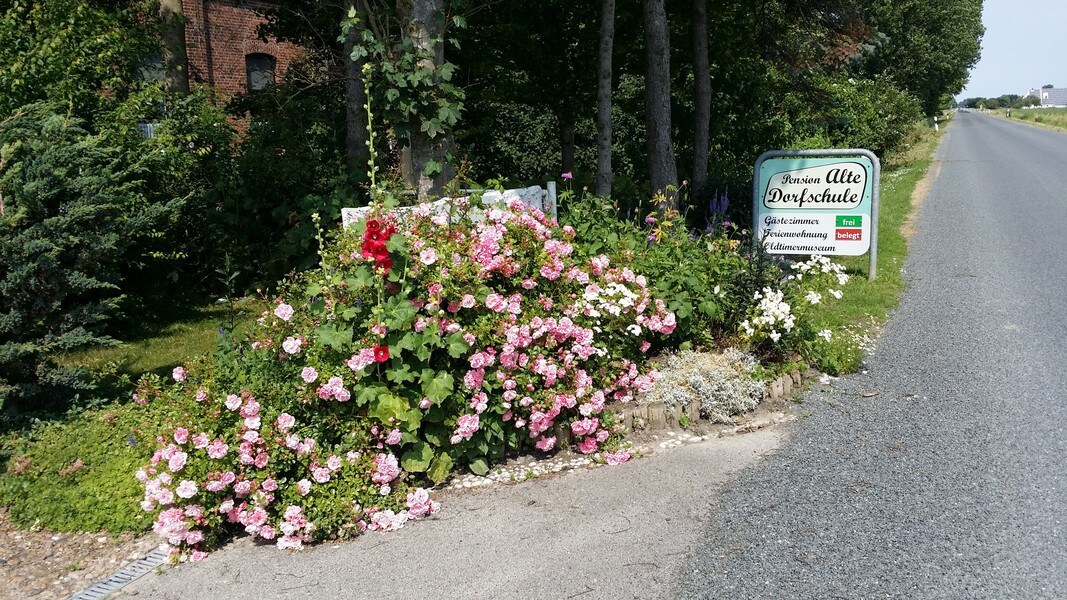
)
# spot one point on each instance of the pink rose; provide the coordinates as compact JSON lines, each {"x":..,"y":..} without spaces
{"x":546,"y":444}
{"x":303,"y":487}
{"x":284,"y":312}
{"x":587,"y":446}
{"x":428,"y":256}
{"x":181,"y":435}
{"x":285,"y":421}
{"x":393,"y":438}
{"x":186,"y":489}
{"x":291,"y":345}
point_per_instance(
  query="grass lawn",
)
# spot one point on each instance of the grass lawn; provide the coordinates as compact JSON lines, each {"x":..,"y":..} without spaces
{"x":1053,"y":118}
{"x":75,"y":473}
{"x":159,"y":347}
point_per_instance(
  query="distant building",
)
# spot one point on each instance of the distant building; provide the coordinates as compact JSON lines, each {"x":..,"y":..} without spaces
{"x":224,"y":49}
{"x":1050,"y":96}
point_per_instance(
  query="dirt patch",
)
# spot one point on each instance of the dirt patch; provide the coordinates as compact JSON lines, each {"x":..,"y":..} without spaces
{"x":918,"y":196}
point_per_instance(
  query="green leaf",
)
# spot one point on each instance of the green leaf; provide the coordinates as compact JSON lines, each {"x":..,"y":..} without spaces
{"x":413,"y":419}
{"x":446,"y":70}
{"x":433,"y":168}
{"x":367,"y":395}
{"x":359,"y":279}
{"x":330,"y":335}
{"x":457,"y":347}
{"x":418,"y":458}
{"x":408,"y":342}
{"x":389,"y":407}
{"x":440,"y":468}
{"x":709,"y":308}
{"x":435,"y":438}
{"x":439,"y":387}
{"x":478,"y":466}
{"x":398,"y":315}
{"x":400,"y":375}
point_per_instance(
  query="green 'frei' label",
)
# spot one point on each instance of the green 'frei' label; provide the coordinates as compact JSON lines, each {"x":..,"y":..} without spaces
{"x":849,"y":220}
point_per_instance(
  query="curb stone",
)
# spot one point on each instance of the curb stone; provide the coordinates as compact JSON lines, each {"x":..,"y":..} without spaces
{"x":655,"y":416}
{"x":655,"y":421}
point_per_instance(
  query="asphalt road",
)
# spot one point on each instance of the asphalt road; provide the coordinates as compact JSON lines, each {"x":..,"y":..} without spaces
{"x":952,"y":481}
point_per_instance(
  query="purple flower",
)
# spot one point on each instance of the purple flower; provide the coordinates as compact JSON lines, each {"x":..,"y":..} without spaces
{"x":568,"y":175}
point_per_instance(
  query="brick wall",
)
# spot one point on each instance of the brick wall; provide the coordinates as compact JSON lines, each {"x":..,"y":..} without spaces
{"x":218,"y":36}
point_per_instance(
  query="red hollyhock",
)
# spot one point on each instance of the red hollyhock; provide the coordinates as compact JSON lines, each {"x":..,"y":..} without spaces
{"x":381,"y":353}
{"x":374,"y":239}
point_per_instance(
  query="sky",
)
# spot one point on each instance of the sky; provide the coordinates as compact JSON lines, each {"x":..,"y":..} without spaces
{"x":1023,"y":48}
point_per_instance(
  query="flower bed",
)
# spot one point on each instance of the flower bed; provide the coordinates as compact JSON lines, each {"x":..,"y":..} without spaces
{"x":420,"y":347}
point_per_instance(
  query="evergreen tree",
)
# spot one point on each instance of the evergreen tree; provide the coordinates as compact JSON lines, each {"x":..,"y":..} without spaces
{"x":71,"y":206}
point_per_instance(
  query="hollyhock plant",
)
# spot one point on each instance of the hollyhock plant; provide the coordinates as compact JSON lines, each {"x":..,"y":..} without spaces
{"x":424,"y":344}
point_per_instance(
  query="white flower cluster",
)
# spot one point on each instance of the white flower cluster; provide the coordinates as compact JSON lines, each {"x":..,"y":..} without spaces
{"x":773,"y":312}
{"x":613,"y":299}
{"x":820,"y":264}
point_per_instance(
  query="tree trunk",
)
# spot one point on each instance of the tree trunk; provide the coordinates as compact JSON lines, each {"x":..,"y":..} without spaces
{"x":426,"y":25}
{"x":604,"y":176}
{"x":175,"y":60}
{"x":701,"y":98}
{"x":357,"y":152}
{"x":566,"y":134}
{"x":661,"y":165}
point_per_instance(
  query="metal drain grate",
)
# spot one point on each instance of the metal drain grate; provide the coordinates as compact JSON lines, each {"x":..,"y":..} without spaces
{"x":119,"y":579}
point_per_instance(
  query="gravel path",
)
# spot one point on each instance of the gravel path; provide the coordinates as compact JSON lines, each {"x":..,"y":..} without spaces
{"x":45,"y":565}
{"x":951,"y":482}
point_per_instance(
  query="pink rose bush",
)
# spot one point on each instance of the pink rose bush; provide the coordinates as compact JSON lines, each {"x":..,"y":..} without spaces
{"x":426,"y":343}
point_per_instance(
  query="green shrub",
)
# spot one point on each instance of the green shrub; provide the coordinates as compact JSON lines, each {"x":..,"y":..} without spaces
{"x":72,"y":208}
{"x":289,"y":165}
{"x":870,"y":113}
{"x":706,"y":279}
{"x":723,"y":291}
{"x":423,"y":344}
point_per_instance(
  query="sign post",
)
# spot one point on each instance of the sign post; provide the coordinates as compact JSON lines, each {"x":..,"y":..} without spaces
{"x":817,"y":202}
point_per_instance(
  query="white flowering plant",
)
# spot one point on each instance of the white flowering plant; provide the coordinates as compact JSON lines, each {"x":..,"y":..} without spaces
{"x":777,"y":321}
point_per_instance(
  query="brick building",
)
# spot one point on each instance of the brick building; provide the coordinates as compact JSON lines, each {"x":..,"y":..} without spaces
{"x":224,"y":49}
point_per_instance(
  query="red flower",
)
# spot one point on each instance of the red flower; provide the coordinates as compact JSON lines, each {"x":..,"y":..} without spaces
{"x":381,"y":353}
{"x":373,"y":246}
{"x":386,"y":265}
{"x":375,"y":250}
